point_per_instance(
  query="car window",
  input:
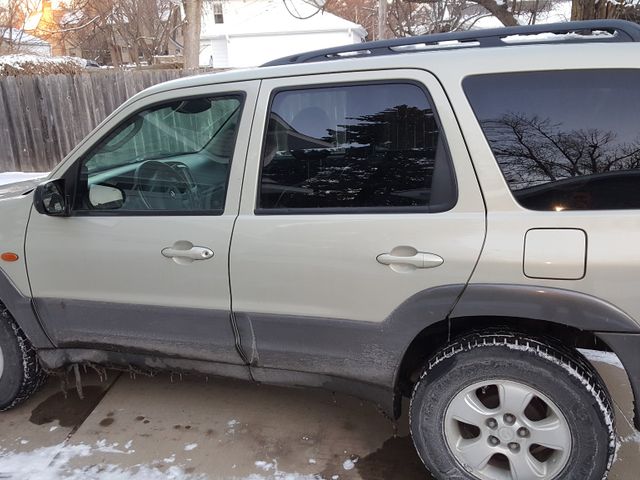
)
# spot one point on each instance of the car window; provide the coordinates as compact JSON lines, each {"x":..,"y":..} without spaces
{"x":565,"y":140}
{"x":344,"y":147}
{"x":173,"y":157}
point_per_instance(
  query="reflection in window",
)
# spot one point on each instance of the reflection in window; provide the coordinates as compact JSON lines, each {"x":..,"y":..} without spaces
{"x":355,"y":146}
{"x":564,"y":140}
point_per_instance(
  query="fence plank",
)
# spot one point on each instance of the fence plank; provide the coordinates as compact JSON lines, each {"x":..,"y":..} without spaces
{"x":43,"y":117}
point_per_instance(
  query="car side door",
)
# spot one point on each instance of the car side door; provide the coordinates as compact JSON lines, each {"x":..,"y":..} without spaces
{"x":359,"y":200}
{"x":140,"y":264}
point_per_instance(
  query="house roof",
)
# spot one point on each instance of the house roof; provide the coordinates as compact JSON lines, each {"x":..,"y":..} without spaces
{"x":15,"y":35}
{"x":260,"y":17}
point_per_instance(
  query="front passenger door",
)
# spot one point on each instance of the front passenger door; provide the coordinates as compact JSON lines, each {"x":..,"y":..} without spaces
{"x":142,"y":262}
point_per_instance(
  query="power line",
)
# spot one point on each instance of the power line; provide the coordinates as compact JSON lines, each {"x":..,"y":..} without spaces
{"x":297,"y":14}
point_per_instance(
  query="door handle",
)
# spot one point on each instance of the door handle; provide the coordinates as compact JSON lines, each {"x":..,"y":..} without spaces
{"x":183,"y":252}
{"x":418,"y":260}
{"x":194,"y":253}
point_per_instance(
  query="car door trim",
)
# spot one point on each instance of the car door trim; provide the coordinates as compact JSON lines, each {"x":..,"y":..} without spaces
{"x":136,"y":328}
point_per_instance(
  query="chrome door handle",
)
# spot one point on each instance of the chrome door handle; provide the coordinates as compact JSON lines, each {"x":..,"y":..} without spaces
{"x":194,"y":253}
{"x":419,"y":260}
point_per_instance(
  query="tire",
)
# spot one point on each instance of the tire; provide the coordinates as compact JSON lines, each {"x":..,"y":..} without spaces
{"x":20,"y":371}
{"x":463,"y":427}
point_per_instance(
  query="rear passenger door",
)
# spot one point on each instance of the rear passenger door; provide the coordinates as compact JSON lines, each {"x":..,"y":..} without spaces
{"x":358,"y":195}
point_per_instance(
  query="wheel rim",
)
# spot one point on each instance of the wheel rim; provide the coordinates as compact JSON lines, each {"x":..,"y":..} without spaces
{"x":505,"y":430}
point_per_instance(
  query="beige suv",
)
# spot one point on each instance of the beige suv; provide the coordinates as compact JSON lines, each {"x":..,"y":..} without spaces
{"x":445,"y":218}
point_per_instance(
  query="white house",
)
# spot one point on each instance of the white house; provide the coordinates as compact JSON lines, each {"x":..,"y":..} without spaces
{"x":15,"y":40}
{"x":248,"y":33}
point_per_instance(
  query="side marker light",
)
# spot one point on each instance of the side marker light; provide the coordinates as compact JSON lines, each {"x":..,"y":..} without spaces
{"x":9,"y":257}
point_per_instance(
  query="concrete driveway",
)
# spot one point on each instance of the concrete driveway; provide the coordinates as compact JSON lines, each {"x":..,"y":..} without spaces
{"x":187,"y":428}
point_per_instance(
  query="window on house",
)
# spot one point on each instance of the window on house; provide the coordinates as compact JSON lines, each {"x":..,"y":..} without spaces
{"x":218,"y":17}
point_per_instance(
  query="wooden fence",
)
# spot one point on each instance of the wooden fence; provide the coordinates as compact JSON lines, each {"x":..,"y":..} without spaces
{"x":43,"y":117}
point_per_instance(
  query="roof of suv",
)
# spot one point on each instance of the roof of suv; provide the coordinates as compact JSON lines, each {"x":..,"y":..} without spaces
{"x":575,"y":44}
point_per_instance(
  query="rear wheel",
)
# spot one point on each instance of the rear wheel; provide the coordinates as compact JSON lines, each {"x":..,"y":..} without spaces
{"x":20,"y":372}
{"x":507,"y":407}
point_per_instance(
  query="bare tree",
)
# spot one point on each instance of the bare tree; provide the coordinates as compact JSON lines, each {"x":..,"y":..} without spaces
{"x":362,"y":12}
{"x":107,"y":28}
{"x":533,"y":150}
{"x":411,"y":18}
{"x":416,"y":17}
{"x":13,"y":14}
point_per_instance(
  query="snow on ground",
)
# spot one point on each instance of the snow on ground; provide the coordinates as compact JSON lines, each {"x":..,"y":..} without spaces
{"x":13,"y":177}
{"x":54,"y":463}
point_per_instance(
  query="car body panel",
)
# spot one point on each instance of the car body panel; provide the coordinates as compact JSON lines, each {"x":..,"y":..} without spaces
{"x":326,"y":264}
{"x":102,"y":280}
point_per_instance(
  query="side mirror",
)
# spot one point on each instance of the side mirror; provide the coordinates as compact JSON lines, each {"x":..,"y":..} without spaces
{"x":50,"y":199}
{"x":103,"y":197}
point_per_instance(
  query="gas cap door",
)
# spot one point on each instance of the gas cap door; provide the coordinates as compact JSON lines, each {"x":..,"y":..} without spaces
{"x":555,"y":253}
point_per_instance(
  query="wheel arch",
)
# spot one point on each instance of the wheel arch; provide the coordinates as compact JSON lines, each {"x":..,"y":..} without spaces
{"x":576,"y":319}
{"x":23,"y":313}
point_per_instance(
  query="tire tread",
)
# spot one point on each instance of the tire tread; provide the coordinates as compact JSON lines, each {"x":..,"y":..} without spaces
{"x":33,"y":375}
{"x":572,"y":361}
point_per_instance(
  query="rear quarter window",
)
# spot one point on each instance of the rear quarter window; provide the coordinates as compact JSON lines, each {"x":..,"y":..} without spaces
{"x":564,"y":140}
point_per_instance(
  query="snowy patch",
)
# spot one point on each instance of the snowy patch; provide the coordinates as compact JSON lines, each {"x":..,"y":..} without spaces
{"x":350,"y":464}
{"x":276,"y":474}
{"x":14,"y":177}
{"x":232,"y":424}
{"x":103,"y":447}
{"x":312,"y":461}
{"x":553,"y":37}
{"x":633,"y":438}
{"x":35,"y":64}
{"x":266,"y":466}
{"x":281,"y":476}
{"x":52,"y":463}
{"x":44,"y":463}
{"x":191,"y":446}
{"x":609,"y":358}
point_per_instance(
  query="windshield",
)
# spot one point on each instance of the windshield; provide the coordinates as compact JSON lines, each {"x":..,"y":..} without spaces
{"x":170,"y":130}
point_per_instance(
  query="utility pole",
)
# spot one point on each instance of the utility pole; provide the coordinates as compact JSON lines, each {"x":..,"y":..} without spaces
{"x":382,"y":19}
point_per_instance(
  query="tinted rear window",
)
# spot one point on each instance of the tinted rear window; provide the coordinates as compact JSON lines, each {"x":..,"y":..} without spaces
{"x":345,"y":147}
{"x":564,"y":140}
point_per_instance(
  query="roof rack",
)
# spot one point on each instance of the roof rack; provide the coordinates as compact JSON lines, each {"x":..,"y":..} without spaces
{"x":568,"y":32}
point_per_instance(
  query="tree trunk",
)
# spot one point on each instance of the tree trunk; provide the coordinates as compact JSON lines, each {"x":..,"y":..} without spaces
{"x":594,"y":10}
{"x":382,"y":19}
{"x":501,"y":12}
{"x":193,"y":21}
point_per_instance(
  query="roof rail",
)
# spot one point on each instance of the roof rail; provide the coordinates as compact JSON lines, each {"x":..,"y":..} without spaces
{"x":568,"y":32}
